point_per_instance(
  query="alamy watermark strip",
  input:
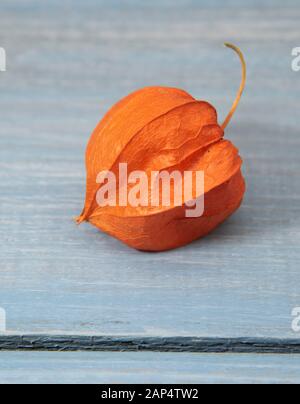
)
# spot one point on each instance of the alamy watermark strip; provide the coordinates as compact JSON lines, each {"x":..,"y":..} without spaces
{"x":2,"y":60}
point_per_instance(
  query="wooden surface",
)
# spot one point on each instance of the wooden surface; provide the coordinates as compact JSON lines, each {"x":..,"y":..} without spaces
{"x":101,"y":367}
{"x":66,"y":65}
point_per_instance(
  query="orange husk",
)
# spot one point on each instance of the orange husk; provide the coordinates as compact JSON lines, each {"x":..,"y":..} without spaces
{"x":156,"y":129}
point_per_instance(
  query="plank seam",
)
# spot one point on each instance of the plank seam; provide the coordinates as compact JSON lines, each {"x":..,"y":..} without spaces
{"x":154,"y":344}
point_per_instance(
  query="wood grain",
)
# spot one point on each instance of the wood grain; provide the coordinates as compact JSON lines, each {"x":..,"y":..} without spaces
{"x":146,"y":367}
{"x":66,"y":65}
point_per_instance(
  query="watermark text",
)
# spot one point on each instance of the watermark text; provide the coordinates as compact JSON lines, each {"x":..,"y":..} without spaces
{"x":2,"y":60}
{"x":2,"y":320}
{"x":296,"y":59}
{"x":152,"y":189}
{"x":296,"y":319}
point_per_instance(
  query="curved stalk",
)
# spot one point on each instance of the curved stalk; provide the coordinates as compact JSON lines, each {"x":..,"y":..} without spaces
{"x":242,"y":85}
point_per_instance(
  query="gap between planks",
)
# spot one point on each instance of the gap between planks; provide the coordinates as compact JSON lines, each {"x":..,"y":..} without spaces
{"x":152,"y":344}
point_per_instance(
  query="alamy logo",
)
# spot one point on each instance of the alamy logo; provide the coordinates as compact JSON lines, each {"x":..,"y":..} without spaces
{"x":152,"y":189}
{"x":296,"y":320}
{"x":2,"y":320}
{"x":296,"y":60}
{"x":2,"y":60}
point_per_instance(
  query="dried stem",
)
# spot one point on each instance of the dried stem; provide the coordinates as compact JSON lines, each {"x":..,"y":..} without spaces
{"x":242,"y":86}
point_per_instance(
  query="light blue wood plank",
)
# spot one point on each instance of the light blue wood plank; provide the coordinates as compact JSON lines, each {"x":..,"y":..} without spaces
{"x":67,"y":63}
{"x":130,"y":368}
